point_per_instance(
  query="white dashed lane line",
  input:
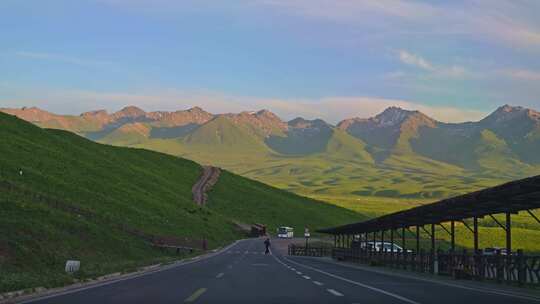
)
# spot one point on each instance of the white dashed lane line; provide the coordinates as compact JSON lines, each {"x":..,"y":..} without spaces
{"x":337,"y":294}
{"x":219,"y":275}
{"x":331,"y":291}
{"x":390,"y":294}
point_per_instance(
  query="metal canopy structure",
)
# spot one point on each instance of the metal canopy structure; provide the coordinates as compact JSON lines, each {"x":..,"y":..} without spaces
{"x":507,"y":198}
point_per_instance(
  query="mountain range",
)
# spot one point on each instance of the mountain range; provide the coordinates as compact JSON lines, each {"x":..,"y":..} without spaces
{"x":397,"y":153}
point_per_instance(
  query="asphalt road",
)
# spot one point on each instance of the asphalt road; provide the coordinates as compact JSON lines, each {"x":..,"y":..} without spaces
{"x":244,"y":274}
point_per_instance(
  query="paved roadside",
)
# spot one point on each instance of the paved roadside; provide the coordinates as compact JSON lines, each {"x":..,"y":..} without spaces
{"x":243,"y":273}
{"x":111,"y":278}
{"x":419,"y":289}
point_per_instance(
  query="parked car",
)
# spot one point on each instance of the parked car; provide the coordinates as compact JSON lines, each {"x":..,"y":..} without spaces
{"x":494,"y":251}
{"x":384,"y":247}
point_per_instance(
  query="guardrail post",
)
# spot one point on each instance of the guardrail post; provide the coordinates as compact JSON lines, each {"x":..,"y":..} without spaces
{"x":453,"y":235}
{"x":508,"y":233}
{"x":497,"y":262}
{"x":520,"y":264}
{"x":392,"y":262}
{"x":422,"y":260}
{"x":475,"y":234}
{"x":404,"y":258}
{"x":417,"y":239}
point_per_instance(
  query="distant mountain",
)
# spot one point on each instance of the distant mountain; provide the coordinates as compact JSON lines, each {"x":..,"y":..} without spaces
{"x":506,"y":141}
{"x":222,"y":135}
{"x":388,"y":132}
{"x":512,"y":133}
{"x":302,"y":137}
{"x":100,"y":121}
{"x":519,"y":128}
{"x":396,"y":142}
{"x":261,"y":123}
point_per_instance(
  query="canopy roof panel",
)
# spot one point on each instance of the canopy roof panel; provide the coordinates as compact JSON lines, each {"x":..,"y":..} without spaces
{"x":511,"y":197}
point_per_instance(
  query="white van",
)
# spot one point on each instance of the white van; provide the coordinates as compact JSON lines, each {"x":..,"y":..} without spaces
{"x":285,"y":232}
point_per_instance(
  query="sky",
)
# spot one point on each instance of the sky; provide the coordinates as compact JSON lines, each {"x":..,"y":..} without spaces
{"x":334,"y":59}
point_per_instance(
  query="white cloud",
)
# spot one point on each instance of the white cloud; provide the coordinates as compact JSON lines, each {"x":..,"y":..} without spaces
{"x":61,"y":58}
{"x":414,"y":60}
{"x":513,"y":23}
{"x":349,"y":10}
{"x":522,"y":74}
{"x":440,"y":71}
{"x":335,"y":109}
{"x":331,"y":109}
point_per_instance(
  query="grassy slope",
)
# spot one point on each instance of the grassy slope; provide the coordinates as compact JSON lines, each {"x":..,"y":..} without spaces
{"x":346,"y":171}
{"x":222,"y":135}
{"x":257,"y":202}
{"x":145,"y":190}
{"x":401,"y":182}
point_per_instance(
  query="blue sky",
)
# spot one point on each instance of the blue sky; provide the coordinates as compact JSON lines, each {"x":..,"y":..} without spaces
{"x":455,"y":60}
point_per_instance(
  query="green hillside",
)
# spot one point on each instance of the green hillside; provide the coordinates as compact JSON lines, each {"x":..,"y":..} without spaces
{"x":406,"y":176}
{"x":74,"y":196}
{"x":397,"y":154}
{"x":343,"y":146}
{"x":223,"y":135}
{"x":127,"y":135}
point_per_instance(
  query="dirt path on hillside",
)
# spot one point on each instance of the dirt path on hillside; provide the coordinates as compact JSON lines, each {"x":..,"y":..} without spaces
{"x":209,"y":177}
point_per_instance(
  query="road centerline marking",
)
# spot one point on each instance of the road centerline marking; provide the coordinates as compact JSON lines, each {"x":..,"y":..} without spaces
{"x":318,"y":283}
{"x":306,"y":277}
{"x":336,"y":293}
{"x":135,"y":275}
{"x":195,"y":295}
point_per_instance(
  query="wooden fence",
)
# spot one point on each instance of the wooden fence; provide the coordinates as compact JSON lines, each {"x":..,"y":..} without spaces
{"x":516,"y":269}
{"x":309,"y":251}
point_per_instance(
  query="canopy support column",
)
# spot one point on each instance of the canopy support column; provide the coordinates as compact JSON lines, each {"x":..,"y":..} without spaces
{"x":475,"y":233}
{"x":417,"y":239}
{"x":453,"y":235}
{"x":508,"y":234}
{"x":392,"y":240}
{"x":432,"y":237}
{"x":403,"y":239}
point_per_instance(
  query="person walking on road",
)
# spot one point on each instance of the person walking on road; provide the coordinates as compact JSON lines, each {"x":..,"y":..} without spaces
{"x":267,"y":244}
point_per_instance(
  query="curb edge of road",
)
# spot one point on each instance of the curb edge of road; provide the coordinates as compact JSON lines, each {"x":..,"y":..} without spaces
{"x":110,"y":278}
{"x":479,"y":286}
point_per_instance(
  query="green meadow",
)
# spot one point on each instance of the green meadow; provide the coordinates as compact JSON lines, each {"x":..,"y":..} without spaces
{"x":367,"y":190}
{"x":114,"y":186}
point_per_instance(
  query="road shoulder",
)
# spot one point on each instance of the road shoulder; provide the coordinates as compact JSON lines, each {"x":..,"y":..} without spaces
{"x":487,"y":287}
{"x":25,"y":297}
